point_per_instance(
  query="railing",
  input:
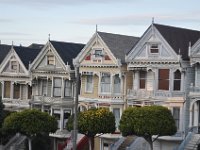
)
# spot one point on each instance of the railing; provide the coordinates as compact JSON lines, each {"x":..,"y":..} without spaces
{"x":116,"y":145}
{"x":153,"y":94}
{"x":46,"y":99}
{"x":185,"y":141}
{"x":16,"y":101}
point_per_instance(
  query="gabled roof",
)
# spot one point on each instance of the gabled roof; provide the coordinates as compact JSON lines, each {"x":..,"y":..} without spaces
{"x":36,"y":46}
{"x":118,"y":44}
{"x":67,"y":51}
{"x":26,"y":54}
{"x":4,"y":49}
{"x":178,"y":38}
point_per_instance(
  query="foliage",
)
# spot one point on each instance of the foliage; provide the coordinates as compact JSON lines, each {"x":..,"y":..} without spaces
{"x":30,"y":123}
{"x":1,"y":112}
{"x":147,"y":121}
{"x":94,"y":121}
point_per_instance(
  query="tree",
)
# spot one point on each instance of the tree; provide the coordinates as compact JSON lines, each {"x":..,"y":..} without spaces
{"x":30,"y":123}
{"x":1,"y":112}
{"x":92,"y":122}
{"x":147,"y":121}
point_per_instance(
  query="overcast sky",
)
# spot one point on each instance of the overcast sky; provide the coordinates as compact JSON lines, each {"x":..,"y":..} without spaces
{"x":30,"y":21}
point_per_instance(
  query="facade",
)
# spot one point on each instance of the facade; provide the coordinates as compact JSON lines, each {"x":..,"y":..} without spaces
{"x":161,"y":73}
{"x":15,"y":77}
{"x":116,"y":72}
{"x":104,"y":75}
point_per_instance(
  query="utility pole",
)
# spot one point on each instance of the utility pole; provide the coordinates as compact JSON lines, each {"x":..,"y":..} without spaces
{"x":75,"y":131}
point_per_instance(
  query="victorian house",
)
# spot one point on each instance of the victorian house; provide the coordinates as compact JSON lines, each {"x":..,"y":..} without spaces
{"x":161,"y":74}
{"x":15,"y":76}
{"x":53,"y":85}
{"x":104,"y":76}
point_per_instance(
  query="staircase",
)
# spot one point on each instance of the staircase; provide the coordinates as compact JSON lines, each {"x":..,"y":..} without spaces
{"x":127,"y":142}
{"x":16,"y":143}
{"x":193,"y":143}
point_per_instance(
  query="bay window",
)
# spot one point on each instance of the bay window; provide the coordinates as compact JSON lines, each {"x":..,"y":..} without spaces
{"x":177,"y":80}
{"x":117,"y":85}
{"x":142,"y":75}
{"x":68,"y":88}
{"x":163,"y":79}
{"x":89,"y":83}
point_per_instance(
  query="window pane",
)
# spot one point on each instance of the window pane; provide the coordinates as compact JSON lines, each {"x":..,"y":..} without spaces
{"x":154,"y":48}
{"x":176,"y":115}
{"x":177,"y":80}
{"x":117,"y":85}
{"x":105,"y":83}
{"x":89,"y":83}
{"x":16,"y":91}
{"x":29,"y":92}
{"x":57,"y":87}
{"x":68,"y":88}
{"x":142,"y":79}
{"x":7,"y":89}
{"x":163,"y":81}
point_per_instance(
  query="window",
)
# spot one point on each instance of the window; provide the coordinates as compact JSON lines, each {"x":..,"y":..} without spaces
{"x":57,"y":87}
{"x":98,"y":53}
{"x":89,"y":83}
{"x":44,"y":87}
{"x":142,"y":75}
{"x":176,"y":115}
{"x":68,"y":88}
{"x":7,"y":89}
{"x":163,"y":79}
{"x":14,"y":65}
{"x":105,"y":83}
{"x":16,"y":91}
{"x":117,"y":85}
{"x":29,"y":92}
{"x":116,"y":112}
{"x":177,"y":80}
{"x":50,"y":60}
{"x":154,"y":49}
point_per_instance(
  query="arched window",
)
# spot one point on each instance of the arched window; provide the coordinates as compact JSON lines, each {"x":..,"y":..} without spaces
{"x":177,"y":80}
{"x":117,"y":85}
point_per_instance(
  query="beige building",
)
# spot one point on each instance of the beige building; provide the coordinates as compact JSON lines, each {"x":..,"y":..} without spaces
{"x":104,"y":76}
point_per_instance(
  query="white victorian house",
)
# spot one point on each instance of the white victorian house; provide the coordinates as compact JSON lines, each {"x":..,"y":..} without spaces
{"x":15,"y":76}
{"x":161,"y":74}
{"x":53,"y":85}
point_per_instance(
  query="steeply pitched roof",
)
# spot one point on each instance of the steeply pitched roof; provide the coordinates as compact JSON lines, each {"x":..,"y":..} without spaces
{"x":179,"y":38}
{"x":118,"y":44}
{"x":4,"y":49}
{"x":36,"y":46}
{"x":26,"y":54}
{"x":67,"y":51}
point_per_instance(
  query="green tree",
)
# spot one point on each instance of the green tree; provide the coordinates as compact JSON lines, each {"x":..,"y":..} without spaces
{"x":92,"y":122}
{"x":1,"y":112}
{"x":147,"y":121}
{"x":30,"y":123}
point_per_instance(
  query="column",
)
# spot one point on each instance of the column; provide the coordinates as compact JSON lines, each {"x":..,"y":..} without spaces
{"x":136,"y":80}
{"x":112,"y":84}
{"x":11,"y":89}
{"x":191,"y":118}
{"x":195,"y":114}
{"x":3,"y":88}
{"x":62,"y":88}
{"x":61,"y":118}
{"x":52,"y":87}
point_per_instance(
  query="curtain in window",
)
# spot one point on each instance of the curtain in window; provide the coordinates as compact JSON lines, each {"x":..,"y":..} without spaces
{"x":163,"y":79}
{"x":117,"y":85}
{"x":105,"y":83}
{"x":44,"y":87}
{"x":89,"y":83}
{"x":57,"y":87}
{"x":68,"y":88}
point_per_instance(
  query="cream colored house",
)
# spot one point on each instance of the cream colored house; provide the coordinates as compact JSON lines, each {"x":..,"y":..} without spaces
{"x":104,"y":76}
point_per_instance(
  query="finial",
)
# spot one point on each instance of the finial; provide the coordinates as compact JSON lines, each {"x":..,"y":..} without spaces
{"x":152,"y":20}
{"x":49,"y":36}
{"x":96,"y":27}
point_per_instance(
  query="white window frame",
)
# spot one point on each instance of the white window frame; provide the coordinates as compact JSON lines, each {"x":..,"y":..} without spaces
{"x":151,"y":48}
{"x":177,"y":120}
{"x":87,"y":83}
{"x":13,"y":65}
{"x":98,"y":53}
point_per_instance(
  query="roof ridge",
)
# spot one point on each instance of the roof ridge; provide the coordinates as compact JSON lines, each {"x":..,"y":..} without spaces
{"x":175,"y":27}
{"x":118,"y":34}
{"x":66,"y":42}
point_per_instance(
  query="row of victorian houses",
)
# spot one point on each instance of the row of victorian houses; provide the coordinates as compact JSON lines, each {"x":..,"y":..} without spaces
{"x":117,"y":71}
